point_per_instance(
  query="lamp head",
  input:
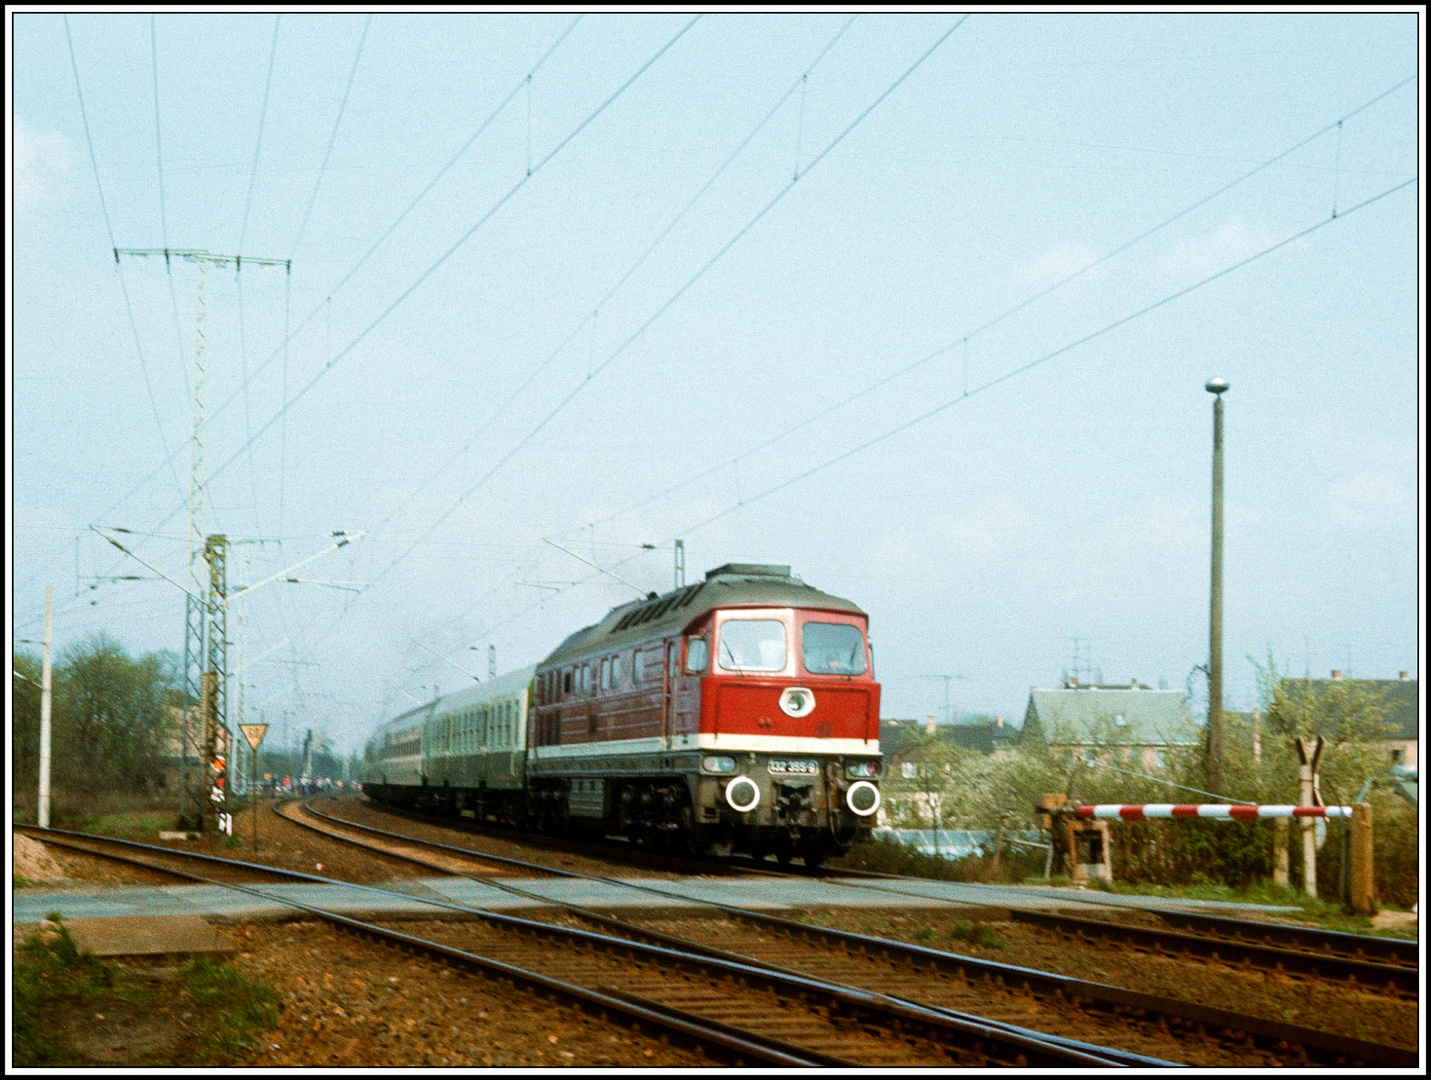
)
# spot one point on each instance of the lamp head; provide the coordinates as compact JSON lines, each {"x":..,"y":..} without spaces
{"x":1216,"y":386}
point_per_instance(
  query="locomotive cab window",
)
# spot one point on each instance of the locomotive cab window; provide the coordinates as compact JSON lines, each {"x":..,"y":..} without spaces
{"x":697,"y":653}
{"x":833,"y":649}
{"x":752,"y":645}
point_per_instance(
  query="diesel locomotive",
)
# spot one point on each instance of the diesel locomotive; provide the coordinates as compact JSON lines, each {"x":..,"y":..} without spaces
{"x":740,"y":713}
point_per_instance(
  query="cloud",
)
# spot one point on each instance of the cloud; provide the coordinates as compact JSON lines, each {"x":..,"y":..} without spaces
{"x":1052,"y":265}
{"x":43,"y":160}
{"x":1196,"y":257}
{"x":1372,"y":500}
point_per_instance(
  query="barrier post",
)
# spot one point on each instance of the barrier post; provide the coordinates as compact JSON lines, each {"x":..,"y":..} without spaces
{"x":1363,"y":887}
{"x":1281,"y":853}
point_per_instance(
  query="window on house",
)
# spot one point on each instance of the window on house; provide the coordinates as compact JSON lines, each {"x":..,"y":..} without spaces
{"x":1161,"y":756}
{"x":1398,"y":756}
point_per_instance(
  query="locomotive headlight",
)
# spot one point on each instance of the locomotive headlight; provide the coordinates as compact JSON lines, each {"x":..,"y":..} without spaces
{"x":862,"y":798}
{"x":717,"y":764}
{"x":863,"y":768}
{"x":743,"y":794}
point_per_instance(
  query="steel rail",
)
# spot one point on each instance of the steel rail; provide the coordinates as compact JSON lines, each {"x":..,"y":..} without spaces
{"x":733,"y":1043}
{"x":1397,"y":978}
{"x":672,"y":941}
{"x":967,"y":1038}
{"x":1307,"y":938}
{"x":1321,"y":1047}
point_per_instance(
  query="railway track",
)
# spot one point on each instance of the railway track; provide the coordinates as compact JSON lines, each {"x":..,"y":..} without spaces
{"x":785,"y":1019}
{"x":1145,"y":1024}
{"x":1371,"y":963}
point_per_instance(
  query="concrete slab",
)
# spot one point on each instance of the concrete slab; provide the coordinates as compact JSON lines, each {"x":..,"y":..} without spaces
{"x":147,"y":935}
{"x":403,"y":900}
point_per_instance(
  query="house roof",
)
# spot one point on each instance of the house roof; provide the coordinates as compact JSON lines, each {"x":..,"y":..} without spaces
{"x":1402,"y":697}
{"x":1080,"y":716}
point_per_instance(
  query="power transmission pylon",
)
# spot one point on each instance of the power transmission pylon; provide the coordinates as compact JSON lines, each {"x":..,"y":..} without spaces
{"x":195,"y":797}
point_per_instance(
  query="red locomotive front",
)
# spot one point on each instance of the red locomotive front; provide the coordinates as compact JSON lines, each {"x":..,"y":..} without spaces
{"x":740,"y":713}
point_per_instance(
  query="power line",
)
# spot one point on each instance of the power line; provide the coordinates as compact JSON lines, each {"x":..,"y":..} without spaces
{"x":678,"y":293}
{"x":282,"y":349}
{"x":451,"y":250}
{"x":989,"y":324}
{"x":332,"y":138}
{"x":124,"y":288}
{"x":163,"y":203}
{"x":262,"y":116}
{"x":630,"y":270}
{"x":1046,"y":357}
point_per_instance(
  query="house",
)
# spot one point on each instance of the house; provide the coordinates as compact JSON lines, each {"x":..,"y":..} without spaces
{"x":1129,"y":723}
{"x":1402,"y":697}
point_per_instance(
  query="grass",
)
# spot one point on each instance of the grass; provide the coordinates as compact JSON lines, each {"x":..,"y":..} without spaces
{"x":57,"y":988}
{"x":977,"y":934}
{"x":1329,"y":915}
{"x":130,"y":824}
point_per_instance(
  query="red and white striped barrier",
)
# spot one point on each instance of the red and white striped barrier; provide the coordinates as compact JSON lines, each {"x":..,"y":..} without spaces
{"x":1150,"y":811}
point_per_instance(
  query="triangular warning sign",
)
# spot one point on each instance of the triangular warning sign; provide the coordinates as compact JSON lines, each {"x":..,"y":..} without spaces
{"x":253,"y":733}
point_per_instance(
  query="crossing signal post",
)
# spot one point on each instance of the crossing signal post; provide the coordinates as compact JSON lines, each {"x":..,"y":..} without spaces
{"x":253,"y":734}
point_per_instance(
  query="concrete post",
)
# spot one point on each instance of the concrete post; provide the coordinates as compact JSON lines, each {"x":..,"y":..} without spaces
{"x":44,"y":809}
{"x":1363,"y":885}
{"x":1214,"y":668}
{"x":1309,"y":836}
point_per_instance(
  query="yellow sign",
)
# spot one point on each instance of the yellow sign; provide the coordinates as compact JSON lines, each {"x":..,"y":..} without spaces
{"x":253,"y":733}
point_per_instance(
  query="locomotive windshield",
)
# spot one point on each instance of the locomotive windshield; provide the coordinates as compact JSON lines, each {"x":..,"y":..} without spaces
{"x":752,"y":645}
{"x":833,"y":649}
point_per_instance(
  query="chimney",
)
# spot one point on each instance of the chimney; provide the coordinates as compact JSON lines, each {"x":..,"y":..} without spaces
{"x":998,"y":721}
{"x":1405,"y":676}
{"x":929,"y":726}
{"x":1336,"y":674}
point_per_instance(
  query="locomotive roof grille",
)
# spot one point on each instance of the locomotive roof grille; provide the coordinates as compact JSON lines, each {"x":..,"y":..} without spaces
{"x":654,"y":609}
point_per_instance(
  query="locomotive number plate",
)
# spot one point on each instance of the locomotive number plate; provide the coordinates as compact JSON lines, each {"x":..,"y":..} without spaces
{"x":794,"y":768}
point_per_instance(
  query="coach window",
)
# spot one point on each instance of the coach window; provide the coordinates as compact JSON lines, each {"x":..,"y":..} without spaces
{"x":588,"y":679}
{"x":752,"y":645}
{"x":697,"y":653}
{"x":615,"y":672}
{"x":566,"y":682}
{"x":606,"y":674}
{"x":638,"y":667}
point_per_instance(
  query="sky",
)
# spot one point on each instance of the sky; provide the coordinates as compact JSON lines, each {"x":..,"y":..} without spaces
{"x":921,"y":305}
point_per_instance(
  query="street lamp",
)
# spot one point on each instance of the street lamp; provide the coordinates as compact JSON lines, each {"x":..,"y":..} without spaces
{"x":1217,"y":387}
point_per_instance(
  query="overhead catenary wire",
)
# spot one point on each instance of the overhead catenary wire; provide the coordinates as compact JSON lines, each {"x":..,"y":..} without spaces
{"x":1005,"y":314}
{"x":502,"y":201}
{"x":681,"y":291}
{"x":325,"y":304}
{"x":636,"y":264}
{"x":1045,"y":358}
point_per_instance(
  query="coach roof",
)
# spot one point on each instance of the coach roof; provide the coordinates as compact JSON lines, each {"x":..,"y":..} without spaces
{"x":731,"y":585}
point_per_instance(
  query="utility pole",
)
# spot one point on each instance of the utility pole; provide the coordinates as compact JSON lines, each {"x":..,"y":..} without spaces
{"x":216,"y":684}
{"x":491,"y":661}
{"x":192,"y":802}
{"x":680,"y":564}
{"x":1214,"y":669}
{"x":948,"y":701}
{"x":44,"y":810}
